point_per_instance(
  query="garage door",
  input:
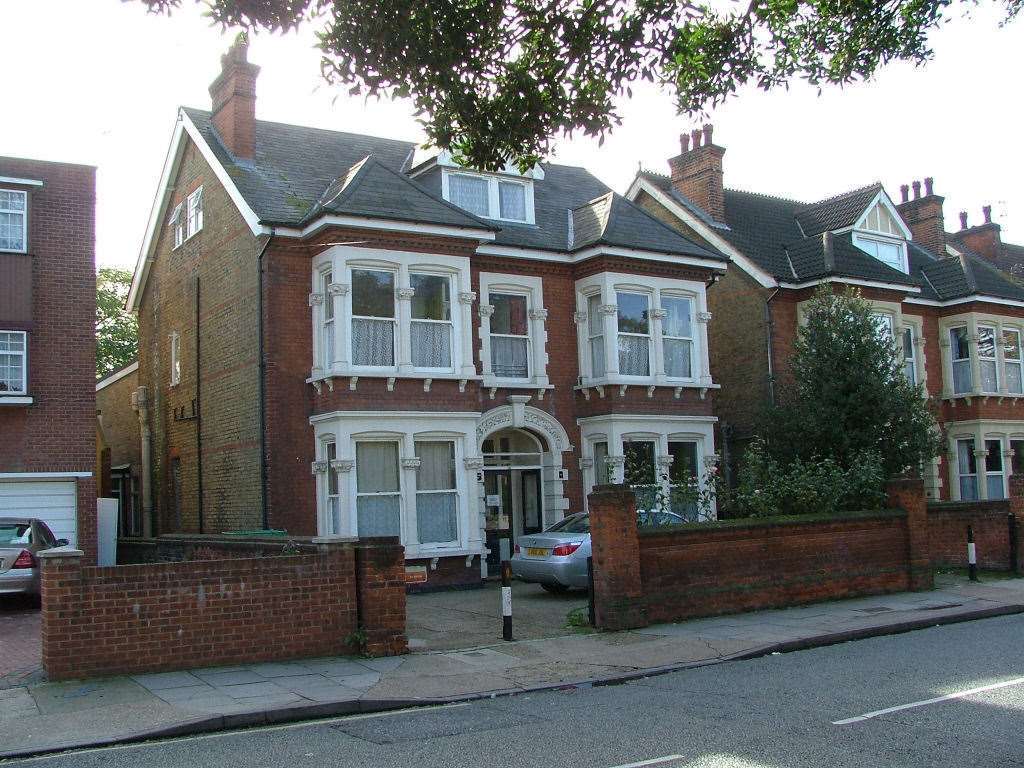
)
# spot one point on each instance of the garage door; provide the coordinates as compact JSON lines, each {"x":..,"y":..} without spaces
{"x":52,"y":501}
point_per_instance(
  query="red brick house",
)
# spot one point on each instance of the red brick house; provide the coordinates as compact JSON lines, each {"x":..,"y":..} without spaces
{"x":348,"y":335}
{"x":985,"y":240}
{"x":47,"y":347}
{"x":958,"y":319}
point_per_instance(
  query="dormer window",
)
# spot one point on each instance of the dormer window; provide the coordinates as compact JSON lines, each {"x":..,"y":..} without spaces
{"x":490,"y":196}
{"x":890,"y":252}
{"x":880,"y":234}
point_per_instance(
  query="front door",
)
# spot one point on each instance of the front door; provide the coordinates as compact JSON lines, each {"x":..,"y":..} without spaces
{"x":531,"y":504}
{"x":498,"y":501}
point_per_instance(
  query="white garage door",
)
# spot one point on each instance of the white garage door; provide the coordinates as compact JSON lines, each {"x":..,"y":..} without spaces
{"x":52,"y":501}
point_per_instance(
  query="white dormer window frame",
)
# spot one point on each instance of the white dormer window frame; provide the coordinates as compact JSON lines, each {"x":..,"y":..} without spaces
{"x":875,"y":245}
{"x":495,"y":184}
{"x":873,"y":239}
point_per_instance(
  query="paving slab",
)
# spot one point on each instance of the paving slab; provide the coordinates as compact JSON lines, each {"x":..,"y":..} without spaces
{"x":162,"y":680}
{"x":232,"y":677}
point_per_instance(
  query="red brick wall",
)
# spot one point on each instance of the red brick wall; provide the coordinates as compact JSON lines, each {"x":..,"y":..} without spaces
{"x":57,"y":433}
{"x":947,"y":532}
{"x":159,"y":617}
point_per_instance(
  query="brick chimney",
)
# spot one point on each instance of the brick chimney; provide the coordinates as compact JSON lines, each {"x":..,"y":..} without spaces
{"x":923,"y":214}
{"x":697,"y":171}
{"x":234,"y":100}
{"x":984,"y":239}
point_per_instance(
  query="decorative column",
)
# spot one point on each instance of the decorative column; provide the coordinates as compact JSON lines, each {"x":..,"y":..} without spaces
{"x":347,"y":514}
{"x":972,"y":345}
{"x":658,"y":360}
{"x":485,"y":311}
{"x":476,"y":518}
{"x":980,"y":454}
{"x":663,"y":468}
{"x":703,"y":320}
{"x":539,"y":337}
{"x":319,"y":469}
{"x":404,"y":312}
{"x":316,"y":302}
{"x":616,"y":469}
{"x":946,"y":359}
{"x":408,"y":488}
{"x":582,"y":340}
{"x":336,"y":294}
{"x":467,"y":367}
{"x":609,"y":317}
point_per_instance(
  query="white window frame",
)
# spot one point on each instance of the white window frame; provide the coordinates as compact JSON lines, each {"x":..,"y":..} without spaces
{"x":912,"y":359}
{"x":175,"y":358}
{"x":329,"y":323}
{"x":649,"y":336}
{"x":972,"y":324}
{"x":194,"y":214}
{"x":341,"y":261}
{"x":329,"y":454}
{"x":453,"y":294}
{"x":954,"y":360}
{"x":993,"y":360}
{"x":1010,"y":362}
{"x":864,"y":240}
{"x":23,"y":354}
{"x":493,"y":195}
{"x":960,"y":475}
{"x":177,"y":225}
{"x":23,"y":213}
{"x":351,"y":317}
{"x":532,"y":288}
{"x":356,"y":494}
{"x":606,"y":285}
{"x":456,"y":490}
{"x":1001,"y":474}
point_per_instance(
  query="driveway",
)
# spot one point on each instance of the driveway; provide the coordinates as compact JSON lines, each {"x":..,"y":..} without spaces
{"x":442,"y":621}
{"x":20,"y":652}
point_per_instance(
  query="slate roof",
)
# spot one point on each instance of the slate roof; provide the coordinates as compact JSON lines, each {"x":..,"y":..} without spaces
{"x":299,"y":172}
{"x":836,"y":212}
{"x":664,"y":184}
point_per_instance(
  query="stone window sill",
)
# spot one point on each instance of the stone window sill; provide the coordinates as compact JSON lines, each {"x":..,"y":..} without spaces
{"x":16,"y":400}
{"x":622,"y":384}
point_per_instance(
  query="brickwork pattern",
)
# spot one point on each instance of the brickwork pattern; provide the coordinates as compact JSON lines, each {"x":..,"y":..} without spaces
{"x":947,"y":533}
{"x":120,"y":421}
{"x":619,"y":591}
{"x":380,"y":583}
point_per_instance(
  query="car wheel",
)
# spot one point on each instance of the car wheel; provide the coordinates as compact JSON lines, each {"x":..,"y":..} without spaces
{"x":555,"y":589}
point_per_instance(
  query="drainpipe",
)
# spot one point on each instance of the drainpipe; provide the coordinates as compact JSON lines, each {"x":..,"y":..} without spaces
{"x":140,"y":403}
{"x":769,"y":324}
{"x":262,"y":383}
{"x":199,"y":418}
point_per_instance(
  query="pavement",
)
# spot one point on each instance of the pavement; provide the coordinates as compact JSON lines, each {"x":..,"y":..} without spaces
{"x":47,"y":717}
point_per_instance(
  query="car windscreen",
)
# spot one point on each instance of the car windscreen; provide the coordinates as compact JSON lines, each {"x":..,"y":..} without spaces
{"x":572,"y":524}
{"x":15,"y":534}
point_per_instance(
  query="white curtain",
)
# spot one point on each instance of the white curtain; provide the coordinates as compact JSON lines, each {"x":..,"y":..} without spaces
{"x":512,"y":200}
{"x":379,"y":515}
{"x":373,"y":342}
{"x":634,"y":356}
{"x":677,"y":359}
{"x":431,"y":345}
{"x":377,"y":473}
{"x":436,"y":497}
{"x":469,"y":193}
{"x":509,"y":357}
{"x":677,"y":319}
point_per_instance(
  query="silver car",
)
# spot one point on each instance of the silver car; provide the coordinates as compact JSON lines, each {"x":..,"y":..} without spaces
{"x":556,"y":558}
{"x":21,"y":541}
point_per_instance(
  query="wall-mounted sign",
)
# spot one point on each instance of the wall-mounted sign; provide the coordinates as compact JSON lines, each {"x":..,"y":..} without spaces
{"x":493,"y":500}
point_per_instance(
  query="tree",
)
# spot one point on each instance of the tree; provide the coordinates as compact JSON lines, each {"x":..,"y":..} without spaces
{"x":499,"y":80}
{"x":117,"y":329}
{"x":850,"y":396}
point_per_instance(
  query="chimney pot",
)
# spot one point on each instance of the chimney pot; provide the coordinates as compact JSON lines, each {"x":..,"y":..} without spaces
{"x":905,"y":192}
{"x":917,"y":189}
{"x":963,"y":219}
{"x":695,"y":134}
{"x":708,"y":129}
{"x":929,"y":184}
{"x":986,"y":210}
{"x":684,"y":143}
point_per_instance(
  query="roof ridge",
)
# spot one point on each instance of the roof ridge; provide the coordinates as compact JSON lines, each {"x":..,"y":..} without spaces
{"x":765,"y":196}
{"x":843,"y":195}
{"x":594,"y":200}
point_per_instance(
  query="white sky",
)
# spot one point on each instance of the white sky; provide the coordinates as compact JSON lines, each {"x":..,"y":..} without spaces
{"x":100,"y":81}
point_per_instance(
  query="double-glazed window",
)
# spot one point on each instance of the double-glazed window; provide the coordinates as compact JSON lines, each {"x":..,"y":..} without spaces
{"x":437,"y":495}
{"x":510,"y":336}
{"x":373,"y":318}
{"x":13,"y":220}
{"x":960,"y":352}
{"x":634,"y":333}
{"x":995,"y":477}
{"x":13,"y":366}
{"x":431,"y":329}
{"x":378,"y":489}
{"x":888,"y":252}
{"x":489,"y":196}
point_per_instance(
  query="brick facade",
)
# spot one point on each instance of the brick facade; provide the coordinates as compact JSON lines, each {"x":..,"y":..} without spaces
{"x":167,"y":616}
{"x":56,"y":433}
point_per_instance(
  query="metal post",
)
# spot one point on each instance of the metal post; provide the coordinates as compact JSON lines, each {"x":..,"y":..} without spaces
{"x":590,"y":592}
{"x":506,"y":600}
{"x":972,"y":556}
{"x":1011,"y":522}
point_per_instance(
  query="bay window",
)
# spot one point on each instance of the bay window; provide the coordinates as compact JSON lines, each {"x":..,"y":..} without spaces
{"x":13,"y":220}
{"x":634,"y":333}
{"x":431,"y":325}
{"x":332,"y":489}
{"x":682,"y":478}
{"x":677,"y":336}
{"x":987,"y":359}
{"x":1012,"y":362}
{"x":510,"y":336}
{"x":328,"y":323}
{"x":378,"y":489}
{"x":995,"y":484}
{"x":960,"y":353}
{"x":437,"y":495}
{"x":373,"y":318}
{"x":967,"y":469}
{"x":909,"y":355}
{"x":595,"y":336}
{"x":13,"y":363}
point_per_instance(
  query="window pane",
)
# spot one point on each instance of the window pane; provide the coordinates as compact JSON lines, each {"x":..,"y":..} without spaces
{"x":12,"y":200}
{"x":509,"y":314}
{"x":601,"y":475}
{"x":379,"y":515}
{"x":376,"y":467}
{"x":969,"y":488}
{"x":962,"y":376}
{"x":994,"y":486}
{"x":965,"y":457}
{"x":632,"y":312}
{"x":597,"y":366}
{"x":986,"y":342}
{"x":958,"y":343}
{"x":431,"y":345}
{"x":437,"y":466}
{"x":1017,"y":462}
{"x":989,"y":377}
{"x":993,"y":456}
{"x":595,"y":321}
{"x":509,"y":357}
{"x":469,"y":193}
{"x":891,"y":254}
{"x":684,"y":461}
{"x":639,"y":467}
{"x":677,"y":359}
{"x":432,"y":298}
{"x":908,"y":343}
{"x":677,"y":321}
{"x":331,"y":453}
{"x":512,"y":200}
{"x":1011,"y":345}
{"x":1014,"y":381}
{"x":373,"y":293}
{"x":634,"y":356}
{"x":373,"y":342}
{"x":437,"y":517}
{"x":884,"y":323}
{"x":12,"y":231}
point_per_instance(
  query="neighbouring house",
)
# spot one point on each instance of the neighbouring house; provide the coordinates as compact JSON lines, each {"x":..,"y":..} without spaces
{"x":350,"y":335}
{"x":119,"y":432}
{"x":47,"y":347}
{"x":957,"y":319}
{"x":985,"y":240}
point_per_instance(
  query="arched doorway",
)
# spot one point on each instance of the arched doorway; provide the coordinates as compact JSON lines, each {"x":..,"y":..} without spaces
{"x":513,"y":489}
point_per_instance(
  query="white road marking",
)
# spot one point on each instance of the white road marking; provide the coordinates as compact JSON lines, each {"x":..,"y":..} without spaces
{"x":926,"y":702}
{"x":653,"y":761}
{"x":254,"y":729}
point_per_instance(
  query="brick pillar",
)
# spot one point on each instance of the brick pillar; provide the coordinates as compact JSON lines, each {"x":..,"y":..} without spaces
{"x":1017,"y":515}
{"x":907,"y":493}
{"x":62,"y":596}
{"x":615,"y":544}
{"x":380,"y":595}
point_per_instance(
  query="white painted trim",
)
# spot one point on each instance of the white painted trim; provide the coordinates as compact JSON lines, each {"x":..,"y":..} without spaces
{"x":656,"y":418}
{"x":16,"y":399}
{"x":389,"y":225}
{"x":117,"y":375}
{"x":886,"y":202}
{"x":43,"y":475}
{"x":745,"y":263}
{"x":574,"y":258}
{"x":905,"y":288}
{"x":320,"y":417}
{"x":975,"y":297}
{"x":532,"y":288}
{"x":22,"y":182}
